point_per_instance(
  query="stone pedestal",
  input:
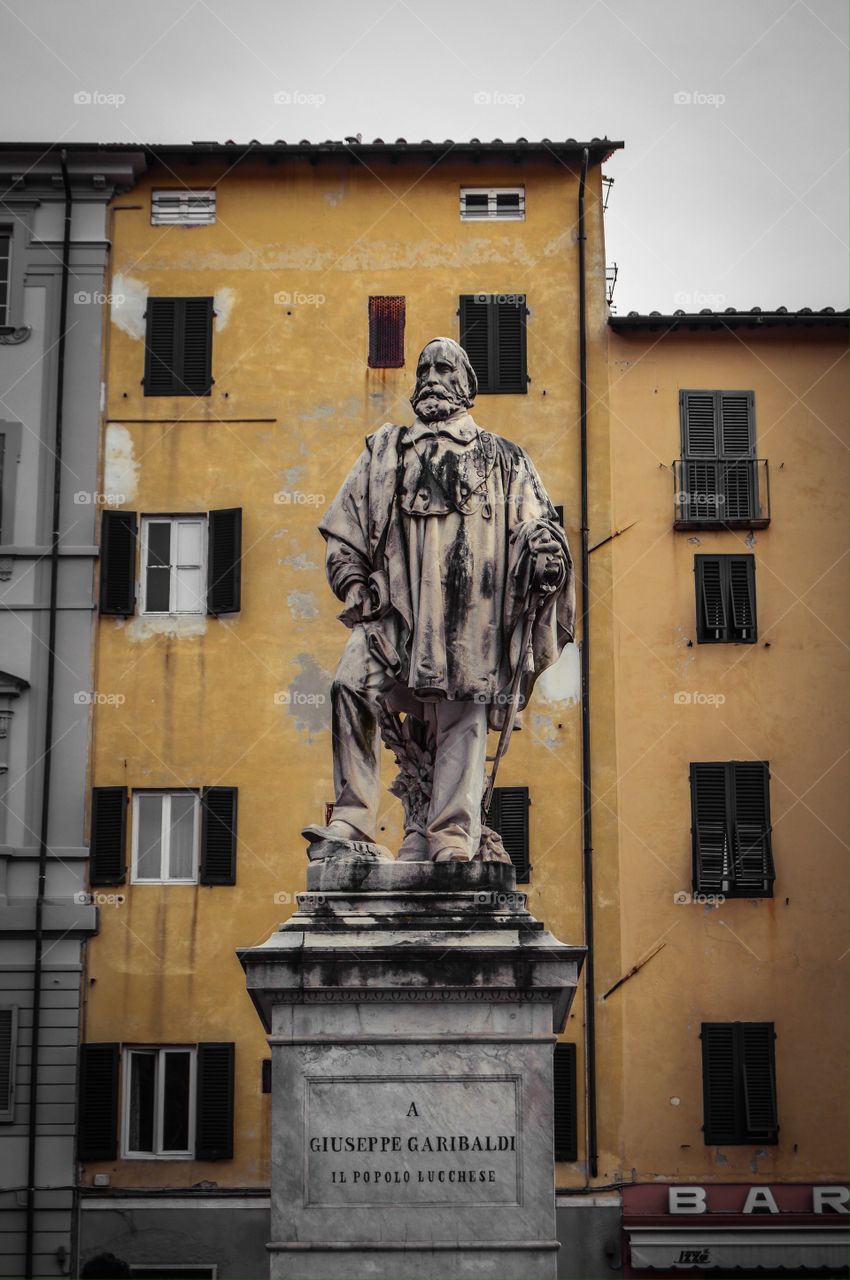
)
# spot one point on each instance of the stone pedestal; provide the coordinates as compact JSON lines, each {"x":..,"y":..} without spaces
{"x":412,"y":1009}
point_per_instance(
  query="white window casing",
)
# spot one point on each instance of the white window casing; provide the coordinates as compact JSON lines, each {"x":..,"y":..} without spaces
{"x":493,"y":204}
{"x":183,"y":208}
{"x":165,"y":837}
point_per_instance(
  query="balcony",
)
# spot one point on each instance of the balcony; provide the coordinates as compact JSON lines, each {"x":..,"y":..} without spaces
{"x":721,"y":493}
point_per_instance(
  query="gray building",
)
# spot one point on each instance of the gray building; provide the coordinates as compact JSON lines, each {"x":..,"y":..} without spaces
{"x":54,"y":248}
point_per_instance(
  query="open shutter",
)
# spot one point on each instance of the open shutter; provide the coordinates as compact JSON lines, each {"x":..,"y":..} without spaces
{"x":214,"y":1118}
{"x":509,"y":336}
{"x":720,"y":1082}
{"x":475,"y":325}
{"x":742,"y":595}
{"x":386,"y":333}
{"x":565,"y":1108}
{"x":710,"y":827}
{"x":711,"y":599}
{"x":118,"y":563}
{"x":97,"y":1119}
{"x":218,"y":835}
{"x":752,"y":853}
{"x":757,"y":1059}
{"x":508,"y":814}
{"x":8,"y":1056}
{"x":197,"y":346}
{"x":107,"y":861}
{"x":224,"y":571}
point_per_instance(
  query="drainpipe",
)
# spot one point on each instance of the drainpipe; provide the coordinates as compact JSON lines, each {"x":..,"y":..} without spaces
{"x":48,"y":729}
{"x":586,"y":789}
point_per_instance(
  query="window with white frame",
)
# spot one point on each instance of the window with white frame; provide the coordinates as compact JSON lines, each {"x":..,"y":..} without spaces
{"x":183,"y":208}
{"x":173,"y":570}
{"x":504,"y":204}
{"x":165,"y":837}
{"x":159,"y":1102}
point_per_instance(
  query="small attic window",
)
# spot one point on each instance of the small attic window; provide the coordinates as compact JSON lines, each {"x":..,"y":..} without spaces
{"x":503,"y":204}
{"x":182,"y":208}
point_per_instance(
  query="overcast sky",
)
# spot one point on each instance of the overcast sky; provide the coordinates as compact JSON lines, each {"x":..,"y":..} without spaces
{"x":732,"y":189}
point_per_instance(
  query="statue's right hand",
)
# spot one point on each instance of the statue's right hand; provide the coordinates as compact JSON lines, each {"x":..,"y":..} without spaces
{"x":356,"y":604}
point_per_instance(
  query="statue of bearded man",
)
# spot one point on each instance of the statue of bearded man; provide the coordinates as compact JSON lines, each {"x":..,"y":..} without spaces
{"x":459,"y":591}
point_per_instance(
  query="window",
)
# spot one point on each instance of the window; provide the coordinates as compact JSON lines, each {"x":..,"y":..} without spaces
{"x":492,"y":333}
{"x":739,"y":1083}
{"x":10,"y":452}
{"x":5,"y":274}
{"x":719,"y":480}
{"x":566,"y":1125}
{"x":173,"y":565}
{"x":165,"y":836}
{"x":8,"y":1058}
{"x":726,"y":599}
{"x":505,"y":204}
{"x":730,"y":827}
{"x":508,"y":815}
{"x":159,"y":1118}
{"x":178,"y":347}
{"x":183,"y":208}
{"x":386,"y":333}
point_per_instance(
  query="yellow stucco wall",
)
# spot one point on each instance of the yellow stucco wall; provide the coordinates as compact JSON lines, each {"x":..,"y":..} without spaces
{"x":293,"y":399}
{"x":781,"y":959}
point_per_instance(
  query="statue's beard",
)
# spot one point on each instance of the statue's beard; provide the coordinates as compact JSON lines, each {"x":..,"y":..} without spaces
{"x":434,"y":406}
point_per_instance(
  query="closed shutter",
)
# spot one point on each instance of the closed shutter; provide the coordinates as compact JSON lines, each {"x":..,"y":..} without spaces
{"x":475,"y":319}
{"x":699,"y":437}
{"x":736,"y":426}
{"x":218,"y":835}
{"x":757,"y":1057}
{"x":720,"y":1082}
{"x":719,"y":427}
{"x":510,"y":358}
{"x":565,"y":1105}
{"x":726,"y":599}
{"x":118,"y":563}
{"x":214,"y":1118}
{"x":386,"y":333}
{"x":224,"y":569}
{"x":493,"y":335}
{"x":8,"y":1053}
{"x":97,"y":1120}
{"x":107,"y":861}
{"x":178,"y":347}
{"x":710,"y":828}
{"x":751,"y":843}
{"x":508,"y":814}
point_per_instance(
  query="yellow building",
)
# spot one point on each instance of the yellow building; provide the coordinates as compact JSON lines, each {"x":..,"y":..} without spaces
{"x":267,"y":308}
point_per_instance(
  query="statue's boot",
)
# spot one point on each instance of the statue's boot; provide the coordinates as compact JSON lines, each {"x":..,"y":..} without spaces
{"x":414,"y":847}
{"x":453,"y":855}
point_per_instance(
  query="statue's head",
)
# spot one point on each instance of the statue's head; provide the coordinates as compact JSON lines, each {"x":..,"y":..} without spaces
{"x":445,"y":380}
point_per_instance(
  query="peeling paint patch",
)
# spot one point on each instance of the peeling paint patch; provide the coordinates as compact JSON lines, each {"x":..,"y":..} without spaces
{"x":302,"y":604}
{"x":335,"y":195}
{"x":120,"y":469}
{"x":562,"y":681}
{"x":301,"y":563}
{"x":171,"y":624}
{"x":544,"y":729}
{"x":310,"y":696}
{"x":223,"y":300}
{"x":130,"y":299}
{"x":720,"y":1158}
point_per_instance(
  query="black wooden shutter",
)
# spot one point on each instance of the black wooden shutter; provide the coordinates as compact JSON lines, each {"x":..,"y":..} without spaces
{"x":118,"y":563}
{"x":510,"y":345}
{"x":8,"y":1056}
{"x":475,"y":326}
{"x":386,"y":333}
{"x":752,"y":854}
{"x":720,"y":1083}
{"x":566,"y":1110}
{"x":97,"y":1120}
{"x":178,"y":346}
{"x":224,"y":568}
{"x":214,"y":1118}
{"x":742,"y":594}
{"x":107,"y":861}
{"x":218,"y":835}
{"x":759,"y":1071}
{"x":710,"y":827}
{"x":508,"y":814}
{"x":736,"y":423}
{"x":712,"y":620}
{"x":726,"y":599}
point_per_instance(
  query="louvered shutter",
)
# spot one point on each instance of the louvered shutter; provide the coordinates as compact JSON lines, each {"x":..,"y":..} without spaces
{"x":218,"y":835}
{"x":214,"y":1115}
{"x":565,"y":1105}
{"x":196,"y":373}
{"x":8,"y":1053}
{"x":510,"y":345}
{"x":720,"y":1082}
{"x":161,"y":346}
{"x":178,"y":346}
{"x":742,"y":593}
{"x":107,"y":861}
{"x":386,"y":333}
{"x":735,"y":421}
{"x":508,"y":814}
{"x":711,"y":598}
{"x":118,"y":563}
{"x":97,"y":1118}
{"x":475,"y":338}
{"x":757,"y":1060}
{"x":751,"y":843}
{"x":710,"y":827}
{"x":224,"y":568}
{"x":699,"y":436}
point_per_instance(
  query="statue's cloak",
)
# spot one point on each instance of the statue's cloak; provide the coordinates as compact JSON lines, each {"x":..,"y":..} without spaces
{"x":441,"y":520}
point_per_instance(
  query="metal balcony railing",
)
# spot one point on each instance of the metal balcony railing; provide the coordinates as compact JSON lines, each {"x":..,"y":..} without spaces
{"x":721,"y":493}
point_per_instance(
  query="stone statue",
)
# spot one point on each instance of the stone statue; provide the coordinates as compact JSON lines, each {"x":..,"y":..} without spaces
{"x":458,"y":588}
